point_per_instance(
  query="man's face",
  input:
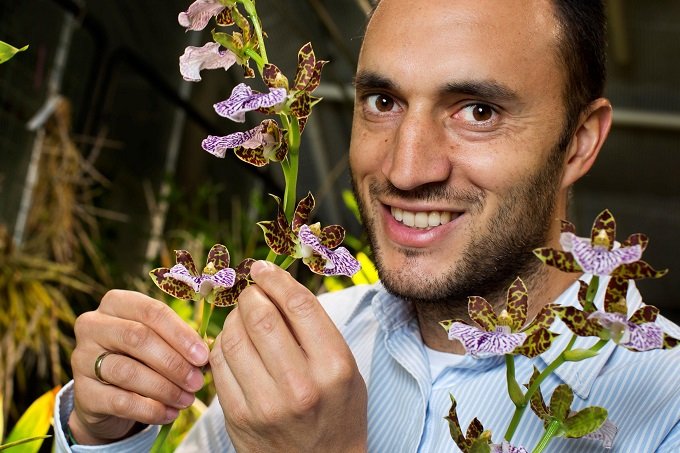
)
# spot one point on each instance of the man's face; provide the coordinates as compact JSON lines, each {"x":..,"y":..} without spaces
{"x":458,"y":113}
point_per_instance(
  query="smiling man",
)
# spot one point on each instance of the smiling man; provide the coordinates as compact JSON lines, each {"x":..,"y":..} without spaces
{"x":472,"y":120}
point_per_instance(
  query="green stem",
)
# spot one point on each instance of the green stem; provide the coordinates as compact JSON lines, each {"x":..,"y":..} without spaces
{"x":551,"y":431}
{"x":271,"y":256}
{"x":515,"y":392}
{"x":287,"y":262}
{"x":252,"y":14}
{"x":257,"y":58}
{"x":206,"y":319}
{"x":290,"y":167}
{"x":521,"y":408}
{"x":160,"y":440}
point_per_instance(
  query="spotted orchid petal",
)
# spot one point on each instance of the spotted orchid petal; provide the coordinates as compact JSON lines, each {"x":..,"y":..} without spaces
{"x":183,"y":280}
{"x":506,"y":447}
{"x":209,"y":56}
{"x":598,"y":259}
{"x":256,"y":138}
{"x":243,"y":99}
{"x":480,"y":343}
{"x":606,"y":434}
{"x":636,"y":337}
{"x":229,"y":296}
{"x":203,"y":284}
{"x":338,"y":262}
{"x":199,"y":13}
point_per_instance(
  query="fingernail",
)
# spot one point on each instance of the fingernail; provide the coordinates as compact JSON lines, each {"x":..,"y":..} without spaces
{"x":186,"y":399}
{"x":194,"y":380}
{"x":259,"y":266}
{"x":170,"y":414}
{"x":199,"y":353}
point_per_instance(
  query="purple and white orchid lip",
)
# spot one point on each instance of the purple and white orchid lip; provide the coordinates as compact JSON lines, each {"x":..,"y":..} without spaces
{"x":640,"y":337}
{"x":598,"y":259}
{"x":506,"y":447}
{"x":338,"y":261}
{"x":243,"y":99}
{"x":209,"y":56}
{"x":480,"y":343}
{"x":206,"y":282}
{"x":250,"y":139}
{"x":199,"y":13}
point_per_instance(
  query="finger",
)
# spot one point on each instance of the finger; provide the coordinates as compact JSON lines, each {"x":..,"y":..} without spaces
{"x":242,"y":358}
{"x":271,"y":336}
{"x":227,"y":387}
{"x":314,"y":330}
{"x":94,"y":399}
{"x":107,"y":333}
{"x":159,"y":317}
{"x":128,"y":374}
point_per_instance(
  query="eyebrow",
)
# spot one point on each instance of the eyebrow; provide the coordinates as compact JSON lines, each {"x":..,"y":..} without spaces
{"x":365,"y":80}
{"x":484,"y":89}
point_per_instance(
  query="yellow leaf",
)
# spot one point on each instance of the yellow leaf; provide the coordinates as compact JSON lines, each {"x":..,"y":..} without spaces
{"x":34,"y":422}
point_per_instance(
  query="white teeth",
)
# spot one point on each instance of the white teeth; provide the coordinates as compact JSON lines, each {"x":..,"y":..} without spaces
{"x":433,"y":219}
{"x":408,"y":218}
{"x":421,"y":219}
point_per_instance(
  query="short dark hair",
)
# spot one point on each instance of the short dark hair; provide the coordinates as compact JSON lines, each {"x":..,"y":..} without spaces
{"x":582,"y":50}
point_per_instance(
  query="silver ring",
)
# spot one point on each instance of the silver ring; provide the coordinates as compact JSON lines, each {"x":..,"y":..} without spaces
{"x":98,"y":367}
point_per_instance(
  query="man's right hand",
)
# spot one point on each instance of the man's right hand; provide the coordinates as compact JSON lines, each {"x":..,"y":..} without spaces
{"x":153,"y":367}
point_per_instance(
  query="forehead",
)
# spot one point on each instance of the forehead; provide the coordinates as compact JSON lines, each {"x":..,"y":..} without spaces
{"x":512,"y":41}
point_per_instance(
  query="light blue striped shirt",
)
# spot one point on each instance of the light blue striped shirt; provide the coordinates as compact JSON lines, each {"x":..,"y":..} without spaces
{"x":407,"y":405}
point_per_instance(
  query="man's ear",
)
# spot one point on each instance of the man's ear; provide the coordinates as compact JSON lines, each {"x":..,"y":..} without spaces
{"x":587,"y":141}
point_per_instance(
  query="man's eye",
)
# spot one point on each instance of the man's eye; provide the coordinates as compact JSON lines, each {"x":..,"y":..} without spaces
{"x":380,"y":102}
{"x":477,"y":113}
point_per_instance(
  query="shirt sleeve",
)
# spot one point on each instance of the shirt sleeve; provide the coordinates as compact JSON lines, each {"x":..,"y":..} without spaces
{"x":63,"y":406}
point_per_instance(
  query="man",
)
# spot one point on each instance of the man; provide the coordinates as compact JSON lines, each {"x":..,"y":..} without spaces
{"x":472,"y":120}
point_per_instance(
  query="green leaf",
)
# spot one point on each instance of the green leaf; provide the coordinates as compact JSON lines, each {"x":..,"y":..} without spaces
{"x":7,"y":51}
{"x":351,"y":203}
{"x":24,"y":441}
{"x":560,"y":402}
{"x":585,"y":421}
{"x":35,"y":422}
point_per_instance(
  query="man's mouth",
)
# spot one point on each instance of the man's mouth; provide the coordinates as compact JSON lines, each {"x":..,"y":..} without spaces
{"x":423,"y":219}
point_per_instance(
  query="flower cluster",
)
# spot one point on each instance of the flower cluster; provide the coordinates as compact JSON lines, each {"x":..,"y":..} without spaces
{"x":508,"y":333}
{"x":239,"y":39}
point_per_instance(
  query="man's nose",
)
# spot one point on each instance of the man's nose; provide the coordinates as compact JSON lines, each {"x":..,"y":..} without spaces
{"x":419,"y":154}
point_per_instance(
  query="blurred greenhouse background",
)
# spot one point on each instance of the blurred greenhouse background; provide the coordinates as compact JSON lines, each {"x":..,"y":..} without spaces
{"x":102,"y":174}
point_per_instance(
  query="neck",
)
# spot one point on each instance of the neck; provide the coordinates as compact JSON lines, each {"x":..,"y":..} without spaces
{"x":544,"y":286}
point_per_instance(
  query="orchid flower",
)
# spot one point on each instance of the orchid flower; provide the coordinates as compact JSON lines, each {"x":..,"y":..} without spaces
{"x":210,"y":56}
{"x":257,"y":146}
{"x":475,"y":439}
{"x":639,"y":333}
{"x":313,"y":244}
{"x":599,"y":255}
{"x":307,"y":79}
{"x":243,"y":99}
{"x":590,"y":422}
{"x":506,"y":447}
{"x":504,"y":333}
{"x":199,"y":13}
{"x":183,"y":281}
{"x":316,"y":250}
